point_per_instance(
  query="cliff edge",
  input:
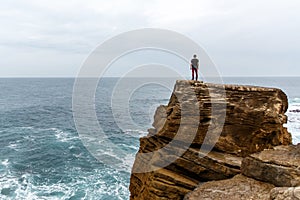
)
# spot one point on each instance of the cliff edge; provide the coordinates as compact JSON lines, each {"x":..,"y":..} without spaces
{"x":209,"y":133}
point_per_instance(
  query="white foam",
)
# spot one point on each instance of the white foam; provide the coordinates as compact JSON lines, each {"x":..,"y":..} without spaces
{"x":13,"y":146}
{"x":27,"y":127}
{"x":130,"y":146}
{"x":293,"y":123}
{"x":5,"y":162}
{"x":135,"y":133}
{"x":80,"y":155}
{"x":92,"y":185}
{"x":71,"y":147}
{"x":63,"y":136}
{"x":128,"y":161}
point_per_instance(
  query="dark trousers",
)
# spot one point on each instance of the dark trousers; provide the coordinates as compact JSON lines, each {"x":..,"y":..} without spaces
{"x":194,"y":70}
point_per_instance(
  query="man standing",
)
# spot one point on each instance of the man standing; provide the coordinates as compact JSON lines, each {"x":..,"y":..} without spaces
{"x":194,"y":66}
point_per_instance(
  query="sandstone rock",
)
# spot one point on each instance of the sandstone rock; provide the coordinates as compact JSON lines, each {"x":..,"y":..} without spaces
{"x":227,"y":122}
{"x":161,"y":184}
{"x":253,"y":116}
{"x":279,"y":166}
{"x":236,"y":188}
{"x":285,"y":193}
{"x":190,"y":167}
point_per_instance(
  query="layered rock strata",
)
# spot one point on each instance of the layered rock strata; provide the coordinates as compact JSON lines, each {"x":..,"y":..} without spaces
{"x":203,"y":134}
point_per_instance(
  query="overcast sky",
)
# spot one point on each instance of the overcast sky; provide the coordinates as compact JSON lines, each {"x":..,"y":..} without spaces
{"x":243,"y":38}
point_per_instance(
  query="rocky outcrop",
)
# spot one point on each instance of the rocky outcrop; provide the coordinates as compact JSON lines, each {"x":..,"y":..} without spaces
{"x":279,"y":166}
{"x":253,"y":116}
{"x":203,"y":134}
{"x":267,"y":169}
{"x":236,"y":188}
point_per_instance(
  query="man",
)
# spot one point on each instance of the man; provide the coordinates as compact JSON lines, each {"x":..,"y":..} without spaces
{"x":194,"y":66}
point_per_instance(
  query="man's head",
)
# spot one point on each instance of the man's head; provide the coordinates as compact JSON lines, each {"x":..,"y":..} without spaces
{"x":195,"y":56}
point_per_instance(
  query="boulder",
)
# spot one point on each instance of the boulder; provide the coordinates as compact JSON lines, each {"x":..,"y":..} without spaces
{"x":236,"y":188}
{"x":279,"y":166}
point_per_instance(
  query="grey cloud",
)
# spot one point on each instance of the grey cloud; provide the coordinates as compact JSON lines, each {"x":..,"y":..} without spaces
{"x":260,"y":35}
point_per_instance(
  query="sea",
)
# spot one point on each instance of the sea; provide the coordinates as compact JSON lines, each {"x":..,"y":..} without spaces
{"x":42,"y":155}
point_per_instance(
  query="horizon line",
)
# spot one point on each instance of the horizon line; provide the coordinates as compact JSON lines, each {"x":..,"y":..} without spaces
{"x":242,"y":76}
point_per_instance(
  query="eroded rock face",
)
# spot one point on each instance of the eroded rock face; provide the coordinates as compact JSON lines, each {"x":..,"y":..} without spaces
{"x":182,"y":176}
{"x":236,"y":188}
{"x":232,"y":121}
{"x":279,"y":166}
{"x":253,"y":116}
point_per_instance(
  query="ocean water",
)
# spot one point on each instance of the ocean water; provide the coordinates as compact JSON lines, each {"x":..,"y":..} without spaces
{"x":42,"y":156}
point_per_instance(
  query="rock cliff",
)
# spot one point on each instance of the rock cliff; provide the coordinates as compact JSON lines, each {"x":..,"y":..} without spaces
{"x":210,"y":132}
